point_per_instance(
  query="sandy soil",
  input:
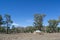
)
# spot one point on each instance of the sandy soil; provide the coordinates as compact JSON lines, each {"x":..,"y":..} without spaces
{"x":30,"y":36}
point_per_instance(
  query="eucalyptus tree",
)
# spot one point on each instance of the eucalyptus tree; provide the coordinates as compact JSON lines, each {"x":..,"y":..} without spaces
{"x":38,"y":21}
{"x":1,"y":20}
{"x":8,"y":21}
{"x":53,"y":25}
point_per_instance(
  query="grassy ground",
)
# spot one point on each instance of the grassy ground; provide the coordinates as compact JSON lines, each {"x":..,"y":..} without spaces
{"x":30,"y":36}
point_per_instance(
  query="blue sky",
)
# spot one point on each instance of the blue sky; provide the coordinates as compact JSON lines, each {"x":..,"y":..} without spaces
{"x":22,"y":11}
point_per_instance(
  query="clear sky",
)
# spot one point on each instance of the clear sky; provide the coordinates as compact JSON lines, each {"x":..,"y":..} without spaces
{"x":22,"y":11}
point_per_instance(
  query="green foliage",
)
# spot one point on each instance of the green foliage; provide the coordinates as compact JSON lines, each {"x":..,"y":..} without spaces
{"x":13,"y":28}
{"x":2,"y":30}
{"x":59,"y":19}
{"x":58,"y":29}
{"x":1,"y":20}
{"x":48,"y":29}
{"x":53,"y":25}
{"x":17,"y":29}
{"x":38,"y":21}
{"x":8,"y":21}
{"x":38,"y":25}
{"x":29,"y":29}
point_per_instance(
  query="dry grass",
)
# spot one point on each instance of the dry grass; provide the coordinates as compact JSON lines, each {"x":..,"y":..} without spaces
{"x":30,"y":36}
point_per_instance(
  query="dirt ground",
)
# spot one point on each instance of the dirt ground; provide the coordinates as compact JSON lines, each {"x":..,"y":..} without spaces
{"x":30,"y":36}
